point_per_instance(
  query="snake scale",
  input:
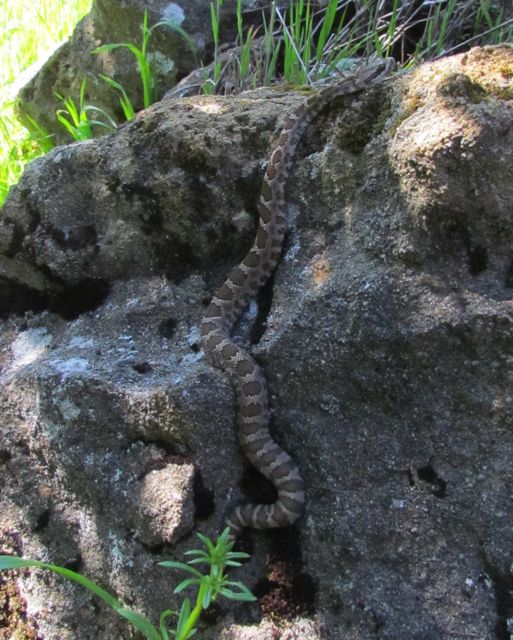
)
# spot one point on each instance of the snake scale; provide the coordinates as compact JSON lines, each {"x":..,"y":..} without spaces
{"x":242,"y":284}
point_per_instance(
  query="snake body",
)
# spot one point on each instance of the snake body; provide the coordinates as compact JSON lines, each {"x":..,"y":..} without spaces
{"x":242,"y":284}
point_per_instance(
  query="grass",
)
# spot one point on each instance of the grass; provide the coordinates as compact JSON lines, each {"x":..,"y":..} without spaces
{"x":304,"y":43}
{"x":29,"y":31}
{"x":76,"y":120}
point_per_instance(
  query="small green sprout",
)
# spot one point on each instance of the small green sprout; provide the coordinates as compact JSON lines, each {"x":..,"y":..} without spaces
{"x":76,"y":120}
{"x":217,"y":557}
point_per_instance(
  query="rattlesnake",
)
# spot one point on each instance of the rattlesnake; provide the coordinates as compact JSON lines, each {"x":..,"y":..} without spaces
{"x":241,"y":285}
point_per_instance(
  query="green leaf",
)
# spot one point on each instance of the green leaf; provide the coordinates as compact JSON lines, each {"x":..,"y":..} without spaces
{"x":207,"y":597}
{"x":203,"y":560}
{"x":138,"y":621}
{"x":162,"y":622}
{"x":73,"y":131}
{"x":186,"y":583}
{"x":237,"y":554}
{"x":180,"y":565}
{"x":225,"y":537}
{"x":243,"y":594}
{"x":107,"y":48}
{"x":12,"y":562}
{"x":184,"y":616}
{"x":195,"y":552}
{"x":82,"y":91}
{"x":124,"y":100}
{"x":141,"y":623}
{"x":207,"y":543}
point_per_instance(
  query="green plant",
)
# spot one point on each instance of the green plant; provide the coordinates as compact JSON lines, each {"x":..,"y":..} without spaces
{"x":210,"y":84}
{"x":271,"y":49}
{"x":124,"y":100}
{"x":76,"y":120}
{"x":38,"y":134}
{"x":245,"y":44}
{"x":217,"y":557}
{"x":141,"y":55}
{"x":19,"y":149}
{"x":313,"y":41}
{"x":25,"y":37}
{"x":297,"y":40}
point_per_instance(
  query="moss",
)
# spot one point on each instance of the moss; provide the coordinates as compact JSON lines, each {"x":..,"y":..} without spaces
{"x":359,"y":127}
{"x":410,"y":105}
{"x":381,"y":119}
{"x":459,"y":85}
{"x":503,"y":93}
{"x":506,"y":70}
{"x":289,"y":87}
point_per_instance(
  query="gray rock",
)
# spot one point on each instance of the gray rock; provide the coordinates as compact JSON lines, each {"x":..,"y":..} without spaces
{"x":387,"y":339}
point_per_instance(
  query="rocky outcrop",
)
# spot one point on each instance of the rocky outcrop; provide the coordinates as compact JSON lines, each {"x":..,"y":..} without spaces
{"x":115,"y":21}
{"x":386,"y":335}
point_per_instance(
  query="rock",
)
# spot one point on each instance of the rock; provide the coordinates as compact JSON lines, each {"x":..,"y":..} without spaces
{"x":386,"y":336}
{"x":140,"y":202}
{"x":164,"y":495}
{"x":115,"y":21}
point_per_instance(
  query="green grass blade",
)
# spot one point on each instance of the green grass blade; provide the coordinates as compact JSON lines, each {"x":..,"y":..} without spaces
{"x":185,"y":583}
{"x":127,"y":108}
{"x":107,"y":48}
{"x":72,"y":110}
{"x":326,"y":28}
{"x":181,"y":566}
{"x":183,"y":617}
{"x":73,"y":131}
{"x":111,"y":123}
{"x":214,"y":20}
{"x":271,"y":68}
{"x":162,"y":622}
{"x":124,"y":100}
{"x":13,"y":562}
{"x":239,"y":21}
{"x":141,"y":623}
{"x":38,"y":133}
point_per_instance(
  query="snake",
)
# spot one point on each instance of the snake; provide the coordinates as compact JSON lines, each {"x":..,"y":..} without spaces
{"x":241,"y":285}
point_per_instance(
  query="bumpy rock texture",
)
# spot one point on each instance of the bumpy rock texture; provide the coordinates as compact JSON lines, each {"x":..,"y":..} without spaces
{"x":116,"y":21}
{"x":387,"y":338}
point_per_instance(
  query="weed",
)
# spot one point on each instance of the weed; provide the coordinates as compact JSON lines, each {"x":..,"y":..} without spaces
{"x":76,"y":121}
{"x":141,"y":56}
{"x":210,"y":84}
{"x":217,"y":558}
{"x":124,"y":101}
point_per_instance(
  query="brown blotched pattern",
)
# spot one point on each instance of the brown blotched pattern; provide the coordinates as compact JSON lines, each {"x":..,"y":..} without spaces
{"x":241,"y":285}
